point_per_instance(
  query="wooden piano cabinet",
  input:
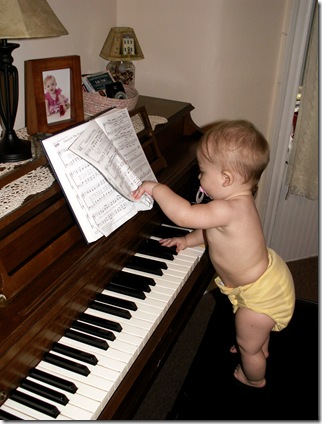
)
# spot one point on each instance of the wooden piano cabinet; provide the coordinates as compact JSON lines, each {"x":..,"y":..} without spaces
{"x":49,"y":274}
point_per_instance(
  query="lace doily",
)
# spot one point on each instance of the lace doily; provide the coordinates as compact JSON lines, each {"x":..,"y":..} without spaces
{"x":15,"y":193}
{"x":154,"y":120}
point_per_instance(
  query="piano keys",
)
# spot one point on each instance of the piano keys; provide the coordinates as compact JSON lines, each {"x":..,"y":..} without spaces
{"x":110,"y":358}
{"x":89,"y":334}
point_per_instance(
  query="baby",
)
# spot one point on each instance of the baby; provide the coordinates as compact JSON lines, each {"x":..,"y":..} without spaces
{"x":54,"y":99}
{"x":232,"y":157}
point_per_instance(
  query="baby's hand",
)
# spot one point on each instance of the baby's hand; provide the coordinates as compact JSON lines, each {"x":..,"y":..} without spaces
{"x":146,"y":187}
{"x":179,"y":242}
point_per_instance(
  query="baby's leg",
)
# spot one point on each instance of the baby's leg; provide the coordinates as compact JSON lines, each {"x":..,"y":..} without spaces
{"x":252,"y":335}
{"x":233,"y":349}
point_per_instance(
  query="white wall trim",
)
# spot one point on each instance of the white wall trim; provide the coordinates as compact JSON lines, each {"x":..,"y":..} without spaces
{"x":297,"y":36}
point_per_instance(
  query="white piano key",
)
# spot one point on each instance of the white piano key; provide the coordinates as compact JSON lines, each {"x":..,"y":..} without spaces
{"x":82,"y":388}
{"x":162,"y":298}
{"x":17,"y":412}
{"x":162,"y":282}
{"x":124,"y":358}
{"x":99,"y":369}
{"x":70,"y":411}
{"x":76,"y":399}
{"x":142,"y":329}
{"x":147,"y":305}
{"x":90,"y":380}
{"x":26,"y":410}
{"x":173,"y":268}
{"x":127,"y":324}
{"x":117,"y":344}
{"x":103,"y":358}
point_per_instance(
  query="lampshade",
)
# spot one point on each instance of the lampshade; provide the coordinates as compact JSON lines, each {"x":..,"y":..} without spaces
{"x":28,"y":19}
{"x":121,"y":44}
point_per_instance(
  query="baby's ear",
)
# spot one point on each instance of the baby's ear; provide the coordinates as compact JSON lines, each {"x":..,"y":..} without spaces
{"x":227,"y":178}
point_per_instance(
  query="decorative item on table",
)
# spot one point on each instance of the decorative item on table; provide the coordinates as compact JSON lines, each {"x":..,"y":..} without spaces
{"x":94,"y":103}
{"x":93,"y":83}
{"x":115,"y":90}
{"x":19,"y":20}
{"x":121,"y":48}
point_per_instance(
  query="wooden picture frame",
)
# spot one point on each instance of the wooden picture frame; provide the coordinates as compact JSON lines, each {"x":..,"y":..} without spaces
{"x":65,"y":74}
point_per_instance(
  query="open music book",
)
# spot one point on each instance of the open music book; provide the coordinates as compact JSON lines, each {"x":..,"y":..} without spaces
{"x":98,"y":164}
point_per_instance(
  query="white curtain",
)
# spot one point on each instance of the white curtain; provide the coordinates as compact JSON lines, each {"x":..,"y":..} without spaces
{"x":302,"y":172}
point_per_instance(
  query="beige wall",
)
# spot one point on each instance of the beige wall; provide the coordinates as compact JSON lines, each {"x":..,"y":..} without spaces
{"x":220,"y":55}
{"x":223,"y":56}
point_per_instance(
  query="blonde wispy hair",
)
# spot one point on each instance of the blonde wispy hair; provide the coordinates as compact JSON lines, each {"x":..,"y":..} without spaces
{"x":238,"y":146}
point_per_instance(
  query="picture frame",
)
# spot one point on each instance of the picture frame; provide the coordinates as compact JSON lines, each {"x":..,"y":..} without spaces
{"x":53,"y":94}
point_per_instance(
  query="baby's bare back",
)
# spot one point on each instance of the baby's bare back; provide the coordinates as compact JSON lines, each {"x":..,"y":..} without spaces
{"x":238,"y":251}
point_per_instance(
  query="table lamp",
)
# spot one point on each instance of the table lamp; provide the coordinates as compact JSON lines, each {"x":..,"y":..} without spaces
{"x":120,"y":48}
{"x":19,"y":19}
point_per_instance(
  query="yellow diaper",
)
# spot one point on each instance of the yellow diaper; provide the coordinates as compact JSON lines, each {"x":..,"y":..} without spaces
{"x":272,"y":294}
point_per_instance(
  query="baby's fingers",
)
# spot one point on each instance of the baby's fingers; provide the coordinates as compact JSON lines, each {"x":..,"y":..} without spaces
{"x":137,"y":193}
{"x":167,"y":242}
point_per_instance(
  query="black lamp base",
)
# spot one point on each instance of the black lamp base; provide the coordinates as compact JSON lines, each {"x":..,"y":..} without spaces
{"x":14,"y":149}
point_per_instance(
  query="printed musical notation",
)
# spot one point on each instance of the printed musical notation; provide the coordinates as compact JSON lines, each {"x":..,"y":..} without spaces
{"x":98,"y":164}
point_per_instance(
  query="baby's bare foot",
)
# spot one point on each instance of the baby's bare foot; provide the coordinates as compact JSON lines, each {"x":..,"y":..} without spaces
{"x":240,"y":376}
{"x":233,"y":349}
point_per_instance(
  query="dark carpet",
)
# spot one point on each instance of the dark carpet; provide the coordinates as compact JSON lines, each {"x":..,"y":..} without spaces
{"x":210,"y":392}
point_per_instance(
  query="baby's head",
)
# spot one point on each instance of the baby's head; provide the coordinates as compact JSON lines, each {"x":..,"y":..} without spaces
{"x":49,"y":80}
{"x":237,"y":146}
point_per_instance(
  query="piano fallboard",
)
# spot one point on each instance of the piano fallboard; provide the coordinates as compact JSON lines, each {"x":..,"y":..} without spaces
{"x":58,"y":274}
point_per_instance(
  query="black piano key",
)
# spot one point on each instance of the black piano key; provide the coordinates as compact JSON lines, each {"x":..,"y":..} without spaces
{"x":101,"y":322}
{"x":33,"y":403}
{"x":132,"y":279}
{"x":167,"y":232}
{"x":98,"y":332}
{"x":152,"y":247}
{"x":111,"y":300}
{"x":109,"y":309}
{"x":43,"y":391}
{"x":146,"y":265}
{"x":4,"y":415}
{"x":86,"y":357}
{"x":53,"y":380}
{"x":127,"y":279}
{"x":119,"y":288}
{"x":66,"y":364}
{"x":87,"y":339}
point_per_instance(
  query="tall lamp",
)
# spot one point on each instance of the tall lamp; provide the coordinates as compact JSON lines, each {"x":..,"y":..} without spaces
{"x":19,"y":19}
{"x":121,"y":47}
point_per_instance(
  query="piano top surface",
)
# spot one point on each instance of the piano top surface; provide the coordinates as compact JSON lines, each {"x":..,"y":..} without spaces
{"x":53,"y":298}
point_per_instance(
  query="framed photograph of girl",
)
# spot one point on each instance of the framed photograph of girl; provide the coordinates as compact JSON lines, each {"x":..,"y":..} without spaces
{"x":53,"y":94}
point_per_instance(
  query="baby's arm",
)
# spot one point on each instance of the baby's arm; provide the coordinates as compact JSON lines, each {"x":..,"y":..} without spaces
{"x":173,"y":205}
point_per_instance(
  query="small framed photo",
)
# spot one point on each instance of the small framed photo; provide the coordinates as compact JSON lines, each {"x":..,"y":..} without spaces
{"x":53,"y":94}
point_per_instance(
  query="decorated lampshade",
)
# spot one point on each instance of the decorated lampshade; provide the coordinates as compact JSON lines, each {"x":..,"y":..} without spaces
{"x":121,"y":48}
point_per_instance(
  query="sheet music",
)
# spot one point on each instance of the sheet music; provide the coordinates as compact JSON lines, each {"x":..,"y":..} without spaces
{"x":98,"y":207}
{"x":111,"y":145}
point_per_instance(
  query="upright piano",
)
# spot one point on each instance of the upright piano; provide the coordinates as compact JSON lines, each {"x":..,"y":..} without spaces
{"x":58,"y":295}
